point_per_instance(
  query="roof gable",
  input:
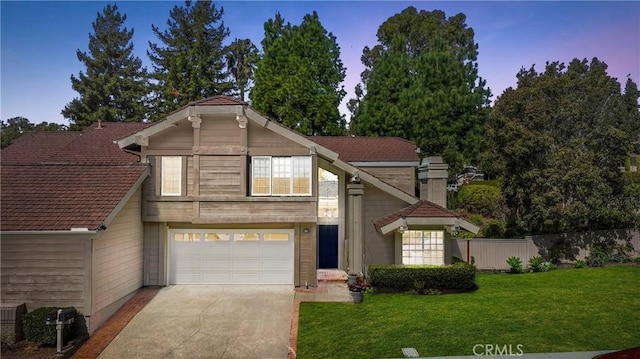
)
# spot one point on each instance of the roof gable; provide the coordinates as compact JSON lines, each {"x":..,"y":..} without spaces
{"x":423,"y":212}
{"x":221,"y":105}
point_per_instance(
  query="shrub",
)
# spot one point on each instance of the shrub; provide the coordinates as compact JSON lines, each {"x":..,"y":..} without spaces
{"x":536,"y":264}
{"x":476,"y":219}
{"x":601,"y":253}
{"x":37,"y":331}
{"x":494,"y":229}
{"x":579,"y":263}
{"x":482,"y":199}
{"x":456,"y":277}
{"x":547,"y":266}
{"x":515,"y":263}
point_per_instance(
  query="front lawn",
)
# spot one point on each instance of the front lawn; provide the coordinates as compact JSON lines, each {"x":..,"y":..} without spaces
{"x":562,"y":310}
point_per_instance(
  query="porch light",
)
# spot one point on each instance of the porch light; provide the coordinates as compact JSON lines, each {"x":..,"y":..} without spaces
{"x":404,"y":227}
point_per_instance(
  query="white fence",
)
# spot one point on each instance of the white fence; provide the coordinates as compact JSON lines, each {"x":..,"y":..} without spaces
{"x":493,"y":253}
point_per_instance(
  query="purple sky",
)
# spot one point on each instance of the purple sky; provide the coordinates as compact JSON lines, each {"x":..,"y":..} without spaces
{"x":39,"y":39}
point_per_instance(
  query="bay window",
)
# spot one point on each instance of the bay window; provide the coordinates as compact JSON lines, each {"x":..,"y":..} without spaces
{"x":423,"y":247}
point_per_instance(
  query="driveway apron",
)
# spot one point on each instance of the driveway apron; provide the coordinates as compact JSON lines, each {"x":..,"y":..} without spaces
{"x":216,"y":321}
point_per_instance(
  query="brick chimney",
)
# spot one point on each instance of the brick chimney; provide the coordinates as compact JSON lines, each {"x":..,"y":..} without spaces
{"x":433,"y":174}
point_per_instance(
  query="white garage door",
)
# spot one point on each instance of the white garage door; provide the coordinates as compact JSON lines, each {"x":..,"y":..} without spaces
{"x":219,"y":256}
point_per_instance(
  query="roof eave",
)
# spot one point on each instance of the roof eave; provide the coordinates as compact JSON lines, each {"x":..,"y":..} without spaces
{"x":430,"y":221}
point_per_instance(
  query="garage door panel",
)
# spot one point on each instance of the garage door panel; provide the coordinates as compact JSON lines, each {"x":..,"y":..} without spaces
{"x":216,"y":278}
{"x":246,"y":263}
{"x":281,"y":264}
{"x":240,"y":260}
{"x":216,"y":263}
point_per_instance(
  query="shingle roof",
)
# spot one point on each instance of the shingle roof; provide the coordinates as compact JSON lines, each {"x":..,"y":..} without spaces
{"x":369,"y":149}
{"x":59,"y":181}
{"x":218,"y":101}
{"x":92,"y":145}
{"x":420,"y":209}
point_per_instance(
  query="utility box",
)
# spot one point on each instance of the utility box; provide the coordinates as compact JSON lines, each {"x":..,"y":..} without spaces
{"x":11,"y":320}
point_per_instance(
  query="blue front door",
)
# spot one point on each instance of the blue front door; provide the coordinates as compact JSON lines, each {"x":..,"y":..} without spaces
{"x":328,"y":246}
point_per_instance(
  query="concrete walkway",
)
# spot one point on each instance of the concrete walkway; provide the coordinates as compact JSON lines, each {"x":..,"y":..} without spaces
{"x":209,"y":322}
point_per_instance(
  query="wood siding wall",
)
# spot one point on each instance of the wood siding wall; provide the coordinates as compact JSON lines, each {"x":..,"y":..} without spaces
{"x":216,"y":161}
{"x":378,"y":249}
{"x":152,"y":257}
{"x":46,"y":270}
{"x":403,"y":178}
{"x":305,"y":253}
{"x":117,"y":269}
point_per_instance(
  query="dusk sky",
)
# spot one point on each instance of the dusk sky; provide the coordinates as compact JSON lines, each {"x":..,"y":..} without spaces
{"x":39,"y":39}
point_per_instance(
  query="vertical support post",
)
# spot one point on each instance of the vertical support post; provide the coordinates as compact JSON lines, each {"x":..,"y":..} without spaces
{"x":356,"y":228}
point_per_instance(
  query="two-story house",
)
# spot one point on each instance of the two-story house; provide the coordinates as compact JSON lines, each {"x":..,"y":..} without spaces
{"x":233,"y":198}
{"x":214,"y":193}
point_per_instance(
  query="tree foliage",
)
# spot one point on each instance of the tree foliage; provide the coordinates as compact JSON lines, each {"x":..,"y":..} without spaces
{"x":421,"y":83}
{"x":189,"y":62}
{"x":297,"y":82}
{"x":561,"y":137}
{"x":242,"y":56}
{"x":18,"y":126}
{"x":114,"y":86}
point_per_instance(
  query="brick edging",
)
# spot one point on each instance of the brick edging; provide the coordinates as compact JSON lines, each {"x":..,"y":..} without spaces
{"x":293,"y":335}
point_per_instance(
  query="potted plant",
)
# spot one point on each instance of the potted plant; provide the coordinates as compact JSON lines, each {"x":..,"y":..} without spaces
{"x":357,"y":289}
{"x":352,"y":278}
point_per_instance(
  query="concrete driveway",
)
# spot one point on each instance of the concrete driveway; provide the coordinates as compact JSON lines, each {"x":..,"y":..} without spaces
{"x":199,"y":321}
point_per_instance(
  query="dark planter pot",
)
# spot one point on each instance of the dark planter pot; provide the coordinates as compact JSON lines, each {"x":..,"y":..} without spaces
{"x":357,"y":296}
{"x":352,"y":279}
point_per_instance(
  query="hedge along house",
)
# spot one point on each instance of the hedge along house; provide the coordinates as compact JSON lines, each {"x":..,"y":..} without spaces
{"x":70,"y":232}
{"x":234,"y":198}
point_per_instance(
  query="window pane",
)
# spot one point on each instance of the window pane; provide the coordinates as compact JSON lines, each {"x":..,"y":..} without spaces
{"x":171,"y":175}
{"x":261,"y":175}
{"x":186,"y":237}
{"x":246,"y":237}
{"x":275,"y":237}
{"x":214,"y":237}
{"x":423,"y":247}
{"x":301,"y":175}
{"x":281,"y":167}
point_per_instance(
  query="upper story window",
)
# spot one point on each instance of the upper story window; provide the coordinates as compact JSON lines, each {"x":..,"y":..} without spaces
{"x":281,"y":176}
{"x":171,"y":176}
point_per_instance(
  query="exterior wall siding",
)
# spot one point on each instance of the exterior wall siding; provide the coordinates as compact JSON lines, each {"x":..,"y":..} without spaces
{"x":117,"y":266}
{"x":220,"y":175}
{"x":378,"y":249}
{"x":403,"y":178}
{"x":152,"y":263}
{"x":305,"y":253}
{"x":45,"y":270}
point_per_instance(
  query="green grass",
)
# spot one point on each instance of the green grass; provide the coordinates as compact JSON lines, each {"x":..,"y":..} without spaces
{"x":562,"y":310}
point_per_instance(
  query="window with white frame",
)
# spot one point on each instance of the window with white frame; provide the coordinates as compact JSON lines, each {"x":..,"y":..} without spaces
{"x":423,"y":247}
{"x":171,"y":176}
{"x":281,"y":176}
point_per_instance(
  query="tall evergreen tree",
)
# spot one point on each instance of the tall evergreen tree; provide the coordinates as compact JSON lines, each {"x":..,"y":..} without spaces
{"x":297,"y":82}
{"x":421,"y":83}
{"x":189,"y":63}
{"x":242,"y":56}
{"x":115,"y":86}
{"x":562,"y":136}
